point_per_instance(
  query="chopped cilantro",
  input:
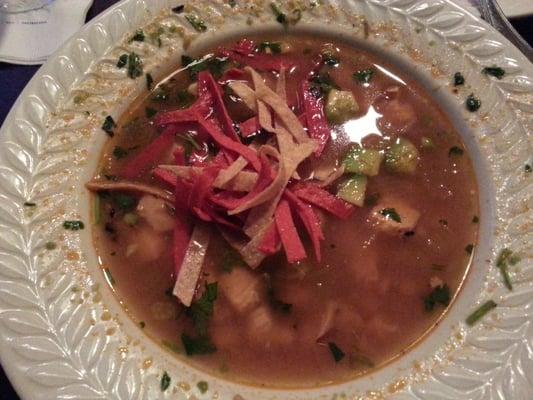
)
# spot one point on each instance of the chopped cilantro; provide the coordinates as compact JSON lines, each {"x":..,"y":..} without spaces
{"x":197,"y":346}
{"x":274,"y":47}
{"x":321,"y":85}
{"x":336,"y":352}
{"x":122,"y":61}
{"x":481,"y":312}
{"x":149,"y":81}
{"x":215,"y":65}
{"x":150,"y":112}
{"x":138,"y":37}
{"x":231,"y":259}
{"x":135,"y":66}
{"x":142,"y":324}
{"x":73,"y":225}
{"x":455,"y":151}
{"x":506,"y":258}
{"x":364,"y":76}
{"x":390,"y":213}
{"x":528,"y":168}
{"x":184,"y":98}
{"x":30,"y":204}
{"x":178,"y":9}
{"x":202,"y":386}
{"x":202,"y":309}
{"x":119,"y":152}
{"x":50,"y":245}
{"x":108,"y":125}
{"x":280,"y":16}
{"x":472,"y":103}
{"x":165,"y":381}
{"x":232,"y":3}
{"x":475,"y":219}
{"x":469,"y":248}
{"x":439,"y":295}
{"x":124,"y":202}
{"x":495,"y":71}
{"x":329,"y":59}
{"x":196,"y":22}
{"x":458,"y":79}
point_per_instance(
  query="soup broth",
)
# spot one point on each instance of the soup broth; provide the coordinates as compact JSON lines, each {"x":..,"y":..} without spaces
{"x":388,"y":270}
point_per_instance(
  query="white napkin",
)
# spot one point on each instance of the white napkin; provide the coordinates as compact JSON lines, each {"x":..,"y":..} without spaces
{"x":29,"y":38}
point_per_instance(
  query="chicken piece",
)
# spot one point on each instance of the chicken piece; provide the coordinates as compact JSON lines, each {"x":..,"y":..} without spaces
{"x":242,"y":288}
{"x":265,"y":331}
{"x":394,"y":216}
{"x":156,"y":213}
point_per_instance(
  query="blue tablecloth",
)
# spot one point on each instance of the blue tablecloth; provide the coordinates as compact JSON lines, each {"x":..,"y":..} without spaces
{"x":13,"y":78}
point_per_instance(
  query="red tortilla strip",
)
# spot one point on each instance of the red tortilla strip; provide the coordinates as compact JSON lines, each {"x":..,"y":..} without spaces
{"x":234,"y":74}
{"x":202,"y":106}
{"x":165,"y":176}
{"x":271,"y":241}
{"x":179,"y":155}
{"x":310,"y":220}
{"x":205,"y":79}
{"x":213,"y":130}
{"x":249,"y":127}
{"x":321,"y":198}
{"x":294,"y":249}
{"x":317,"y":125}
{"x":201,"y":188}
{"x":147,"y":158}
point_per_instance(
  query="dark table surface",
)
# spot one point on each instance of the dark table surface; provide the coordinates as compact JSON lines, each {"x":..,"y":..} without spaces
{"x":13,"y":78}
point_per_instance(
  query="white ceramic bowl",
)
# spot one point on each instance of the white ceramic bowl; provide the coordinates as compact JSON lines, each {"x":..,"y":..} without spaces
{"x":64,"y":335}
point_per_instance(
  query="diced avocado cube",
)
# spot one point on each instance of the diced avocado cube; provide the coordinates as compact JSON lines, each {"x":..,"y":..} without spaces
{"x":353,"y":190}
{"x":363,"y":161}
{"x":402,"y":156}
{"x":340,"y":106}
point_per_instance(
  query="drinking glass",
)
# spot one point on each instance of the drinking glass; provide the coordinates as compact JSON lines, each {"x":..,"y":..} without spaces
{"x":21,"y":6}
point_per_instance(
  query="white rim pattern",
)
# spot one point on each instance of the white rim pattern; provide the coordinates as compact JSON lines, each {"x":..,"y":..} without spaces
{"x":63,"y":336}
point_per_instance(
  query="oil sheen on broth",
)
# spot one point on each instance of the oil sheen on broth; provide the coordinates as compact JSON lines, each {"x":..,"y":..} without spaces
{"x":377,"y":289}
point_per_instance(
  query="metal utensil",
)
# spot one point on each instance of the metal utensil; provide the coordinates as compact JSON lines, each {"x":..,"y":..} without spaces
{"x":493,"y":14}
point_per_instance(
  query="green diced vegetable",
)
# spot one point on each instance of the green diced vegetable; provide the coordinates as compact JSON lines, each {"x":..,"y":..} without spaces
{"x":340,"y":106}
{"x":73,"y":225}
{"x":472,"y":103}
{"x":336,"y":352}
{"x":402,"y":156}
{"x":138,"y":37}
{"x":202,"y":386}
{"x":495,"y":71}
{"x":458,"y":79}
{"x":130,"y":219}
{"x":165,"y":381}
{"x":439,"y":295}
{"x":363,"y":161}
{"x":353,"y":190}
{"x":197,"y":23}
{"x":481,"y":312}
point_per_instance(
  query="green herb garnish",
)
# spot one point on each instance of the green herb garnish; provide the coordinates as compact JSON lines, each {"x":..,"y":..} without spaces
{"x":528,"y":168}
{"x":201,"y":310}
{"x":197,"y":346}
{"x":138,"y":37}
{"x":30,"y":204}
{"x":274,"y":47}
{"x":458,"y":79}
{"x":455,"y":151}
{"x":165,"y":381}
{"x":472,"y":103}
{"x":364,"y":76}
{"x":215,"y":65}
{"x":178,"y":9}
{"x":481,"y":312}
{"x":202,"y":386}
{"x":329,"y":59}
{"x":280,"y":16}
{"x":142,"y":324}
{"x":135,"y":66}
{"x":336,"y":352}
{"x":122,"y":61}
{"x":149,"y":81}
{"x":73,"y":225}
{"x":469,"y":248}
{"x":505,"y":258}
{"x":108,"y":125}
{"x":50,"y":246}
{"x":119,"y":152}
{"x":124,"y":202}
{"x":184,"y":98}
{"x":475,"y":219}
{"x":495,"y":71}
{"x":390,"y":213}
{"x":321,"y":85}
{"x":439,"y":295}
{"x":196,"y":22}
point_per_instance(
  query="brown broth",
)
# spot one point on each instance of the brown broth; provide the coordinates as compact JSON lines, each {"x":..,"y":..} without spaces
{"x":376,"y":281}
